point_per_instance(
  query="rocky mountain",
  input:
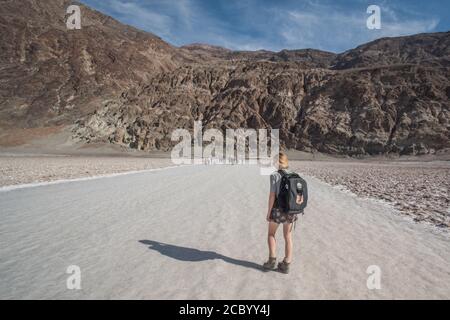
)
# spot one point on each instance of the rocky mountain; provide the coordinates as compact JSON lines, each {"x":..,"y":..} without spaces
{"x":388,"y":96}
{"x":402,"y":109}
{"x":425,"y":49}
{"x":53,"y":75}
{"x":308,"y":57}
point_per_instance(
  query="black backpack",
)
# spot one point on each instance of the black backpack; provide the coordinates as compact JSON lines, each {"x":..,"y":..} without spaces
{"x":292,"y":185}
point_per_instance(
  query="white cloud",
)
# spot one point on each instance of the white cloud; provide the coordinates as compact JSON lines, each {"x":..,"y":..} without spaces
{"x":139,"y":16}
{"x":161,"y":17}
{"x":322,"y":27}
{"x":408,"y":27}
{"x":249,"y":26}
{"x":185,"y":10}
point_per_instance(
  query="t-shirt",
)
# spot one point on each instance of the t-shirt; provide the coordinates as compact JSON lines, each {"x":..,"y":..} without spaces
{"x":275,"y":181}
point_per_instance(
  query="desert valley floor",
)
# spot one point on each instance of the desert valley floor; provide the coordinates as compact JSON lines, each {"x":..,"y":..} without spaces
{"x":132,"y":238}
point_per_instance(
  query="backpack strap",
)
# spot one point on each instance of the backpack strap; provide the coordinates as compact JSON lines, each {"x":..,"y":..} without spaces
{"x":282,"y":173}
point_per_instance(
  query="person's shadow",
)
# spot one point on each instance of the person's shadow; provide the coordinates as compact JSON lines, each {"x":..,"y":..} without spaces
{"x":195,"y":255}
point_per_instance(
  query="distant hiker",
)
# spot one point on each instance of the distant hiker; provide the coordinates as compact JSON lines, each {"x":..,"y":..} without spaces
{"x":288,"y":197}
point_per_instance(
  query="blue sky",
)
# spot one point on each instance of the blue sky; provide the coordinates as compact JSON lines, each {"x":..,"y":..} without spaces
{"x":328,"y":25}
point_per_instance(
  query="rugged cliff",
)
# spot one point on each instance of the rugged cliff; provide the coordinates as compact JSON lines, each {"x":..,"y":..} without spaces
{"x":52,"y":75}
{"x":112,"y":83}
{"x":399,"y":108}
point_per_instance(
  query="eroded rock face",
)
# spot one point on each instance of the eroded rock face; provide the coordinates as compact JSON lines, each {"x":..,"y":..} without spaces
{"x":50,"y":74}
{"x":123,"y":86}
{"x":425,"y":49}
{"x":402,"y":109}
{"x":308,"y":58}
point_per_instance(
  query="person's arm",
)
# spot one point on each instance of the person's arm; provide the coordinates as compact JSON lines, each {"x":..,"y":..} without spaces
{"x":270,"y":206}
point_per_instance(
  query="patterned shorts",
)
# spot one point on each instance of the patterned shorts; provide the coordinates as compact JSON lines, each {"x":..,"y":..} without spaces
{"x":278,"y":216}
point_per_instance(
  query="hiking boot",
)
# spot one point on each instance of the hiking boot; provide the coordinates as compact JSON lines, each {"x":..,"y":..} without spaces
{"x":283,"y":267}
{"x":270,"y":264}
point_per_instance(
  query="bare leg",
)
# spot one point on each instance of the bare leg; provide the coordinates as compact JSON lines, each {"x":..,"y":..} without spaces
{"x":287,"y":233}
{"x":271,"y":239}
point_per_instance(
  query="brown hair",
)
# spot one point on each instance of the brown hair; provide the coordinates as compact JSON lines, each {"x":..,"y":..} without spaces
{"x":283,"y":162}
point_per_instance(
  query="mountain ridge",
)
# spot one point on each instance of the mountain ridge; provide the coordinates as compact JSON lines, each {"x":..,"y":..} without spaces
{"x":111,"y":83}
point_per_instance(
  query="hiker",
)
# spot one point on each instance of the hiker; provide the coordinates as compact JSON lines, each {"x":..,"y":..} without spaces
{"x":283,"y":209}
